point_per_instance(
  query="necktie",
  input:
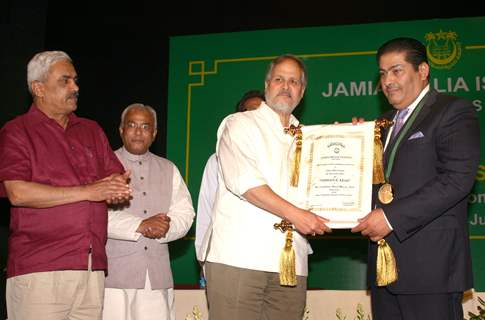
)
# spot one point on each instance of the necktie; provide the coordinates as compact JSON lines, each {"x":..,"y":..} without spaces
{"x":401,"y":115}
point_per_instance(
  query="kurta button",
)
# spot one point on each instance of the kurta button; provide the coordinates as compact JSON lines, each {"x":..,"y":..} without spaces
{"x":144,"y":193}
{"x":141,"y":178}
{"x":139,"y":162}
{"x":146,"y":248}
{"x":144,"y":211}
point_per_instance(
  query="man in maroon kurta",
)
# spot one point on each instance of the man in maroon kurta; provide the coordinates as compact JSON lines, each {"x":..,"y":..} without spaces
{"x":58,"y":172}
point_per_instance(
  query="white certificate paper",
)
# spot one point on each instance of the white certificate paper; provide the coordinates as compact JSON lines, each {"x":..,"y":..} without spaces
{"x":335,"y":176}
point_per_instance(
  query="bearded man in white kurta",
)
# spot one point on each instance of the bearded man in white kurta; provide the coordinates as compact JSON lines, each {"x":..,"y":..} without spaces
{"x":244,"y":249}
{"x":139,"y":284}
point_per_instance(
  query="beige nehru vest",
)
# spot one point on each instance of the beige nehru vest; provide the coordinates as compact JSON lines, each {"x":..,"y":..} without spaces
{"x":128,"y":261}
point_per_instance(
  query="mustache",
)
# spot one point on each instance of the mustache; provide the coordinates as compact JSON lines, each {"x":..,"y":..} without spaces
{"x":392,"y":86}
{"x":284,"y":92}
{"x":73,"y":95}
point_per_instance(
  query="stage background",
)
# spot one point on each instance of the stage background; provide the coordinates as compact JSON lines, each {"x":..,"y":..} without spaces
{"x":209,"y":73}
{"x":121,"y":55}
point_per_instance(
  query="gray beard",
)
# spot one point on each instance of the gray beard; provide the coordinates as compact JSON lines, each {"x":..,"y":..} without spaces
{"x":283,"y":108}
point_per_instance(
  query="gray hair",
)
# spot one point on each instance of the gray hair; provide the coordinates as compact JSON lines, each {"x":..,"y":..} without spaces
{"x":40,"y":64}
{"x":276,"y":61}
{"x":139,"y":106}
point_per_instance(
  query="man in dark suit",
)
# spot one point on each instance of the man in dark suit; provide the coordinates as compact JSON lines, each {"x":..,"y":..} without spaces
{"x":430,"y":163}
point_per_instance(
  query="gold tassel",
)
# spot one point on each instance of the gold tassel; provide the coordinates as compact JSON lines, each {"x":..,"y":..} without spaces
{"x":295,"y":172}
{"x":386,"y":269}
{"x":287,"y":262}
{"x":378,"y":172}
{"x":287,"y":256}
{"x":295,"y":164}
{"x":378,"y":169}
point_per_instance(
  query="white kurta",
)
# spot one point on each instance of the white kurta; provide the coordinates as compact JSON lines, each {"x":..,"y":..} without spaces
{"x":147,"y":304}
{"x":252,"y":150}
{"x":205,"y":205}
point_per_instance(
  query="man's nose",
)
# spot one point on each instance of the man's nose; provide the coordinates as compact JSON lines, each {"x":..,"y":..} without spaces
{"x":386,"y":80}
{"x":74,"y":85}
{"x":286,"y":84}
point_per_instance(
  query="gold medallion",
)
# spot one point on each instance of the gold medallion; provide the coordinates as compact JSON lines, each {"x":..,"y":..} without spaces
{"x":385,"y":193}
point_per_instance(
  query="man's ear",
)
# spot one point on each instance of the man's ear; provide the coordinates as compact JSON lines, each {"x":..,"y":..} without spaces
{"x":37,"y":88}
{"x":423,"y":70}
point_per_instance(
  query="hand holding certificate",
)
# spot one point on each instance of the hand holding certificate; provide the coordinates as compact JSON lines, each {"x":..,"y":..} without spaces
{"x":335,"y":172}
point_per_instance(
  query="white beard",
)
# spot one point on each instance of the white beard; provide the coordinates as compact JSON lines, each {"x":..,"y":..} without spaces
{"x":283,"y":107}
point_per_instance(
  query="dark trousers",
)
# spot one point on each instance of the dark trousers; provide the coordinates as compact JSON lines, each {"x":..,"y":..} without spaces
{"x":389,"y":306}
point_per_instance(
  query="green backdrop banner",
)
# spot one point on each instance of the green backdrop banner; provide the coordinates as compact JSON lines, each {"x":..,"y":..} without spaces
{"x":209,"y":73}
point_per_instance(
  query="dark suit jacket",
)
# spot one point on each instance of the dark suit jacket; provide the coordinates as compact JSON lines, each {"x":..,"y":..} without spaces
{"x":432,"y":176}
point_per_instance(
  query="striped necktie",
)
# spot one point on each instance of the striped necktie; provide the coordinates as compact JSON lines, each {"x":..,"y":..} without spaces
{"x":401,"y":115}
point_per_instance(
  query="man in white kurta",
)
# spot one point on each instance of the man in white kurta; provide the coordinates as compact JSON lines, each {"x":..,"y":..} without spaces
{"x":251,"y":100}
{"x":139,"y":283}
{"x":205,"y":204}
{"x":244,"y":249}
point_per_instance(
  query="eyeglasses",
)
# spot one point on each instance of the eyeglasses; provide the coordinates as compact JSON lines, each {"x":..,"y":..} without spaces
{"x":291,"y":82}
{"x":142,"y":126}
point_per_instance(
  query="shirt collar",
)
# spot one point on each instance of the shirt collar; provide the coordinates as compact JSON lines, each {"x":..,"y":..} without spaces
{"x":134,"y":157}
{"x":39,"y":116}
{"x":413,"y":105}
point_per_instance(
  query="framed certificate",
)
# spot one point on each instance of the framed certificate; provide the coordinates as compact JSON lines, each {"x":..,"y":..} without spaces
{"x":335,"y":172}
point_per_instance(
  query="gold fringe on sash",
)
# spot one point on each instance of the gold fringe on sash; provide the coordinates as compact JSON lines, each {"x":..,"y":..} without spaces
{"x":386,"y":269}
{"x":295,"y":166}
{"x":295,"y":163}
{"x":287,"y":256}
{"x":287,"y":262}
{"x":378,"y":169}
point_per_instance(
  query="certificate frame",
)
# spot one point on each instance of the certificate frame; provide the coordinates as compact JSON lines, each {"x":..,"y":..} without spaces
{"x":335,"y":172}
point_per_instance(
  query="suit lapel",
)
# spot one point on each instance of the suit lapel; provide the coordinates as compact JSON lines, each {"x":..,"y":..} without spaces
{"x":430,"y":100}
{"x":384,"y":138}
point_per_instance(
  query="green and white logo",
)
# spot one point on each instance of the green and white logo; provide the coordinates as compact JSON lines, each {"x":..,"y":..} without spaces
{"x":443,"y":49}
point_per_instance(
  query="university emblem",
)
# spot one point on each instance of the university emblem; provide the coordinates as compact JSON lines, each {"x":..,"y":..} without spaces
{"x":443,"y":49}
